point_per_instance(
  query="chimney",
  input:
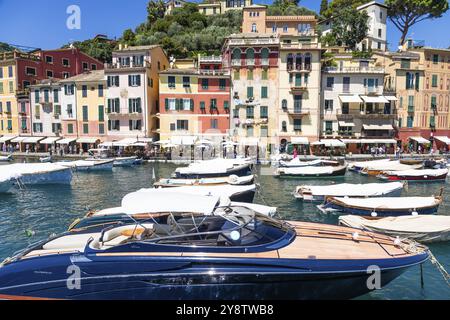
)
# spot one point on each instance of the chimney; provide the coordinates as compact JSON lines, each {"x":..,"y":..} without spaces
{"x":120,"y":46}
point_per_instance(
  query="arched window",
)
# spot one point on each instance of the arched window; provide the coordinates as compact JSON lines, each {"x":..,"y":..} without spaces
{"x":284,"y":104}
{"x":308,"y":61}
{"x":265,"y":54}
{"x":290,"y":61}
{"x":298,"y":62}
{"x":236,"y":56}
{"x":250,"y":57}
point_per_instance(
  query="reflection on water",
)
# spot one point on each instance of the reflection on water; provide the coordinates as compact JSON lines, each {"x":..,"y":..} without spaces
{"x":51,"y":209}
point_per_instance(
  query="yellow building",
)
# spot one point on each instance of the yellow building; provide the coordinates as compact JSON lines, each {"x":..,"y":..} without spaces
{"x":9,"y":117}
{"x":214,"y":7}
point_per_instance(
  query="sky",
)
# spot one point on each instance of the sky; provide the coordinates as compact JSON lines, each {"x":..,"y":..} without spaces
{"x":43,"y":23}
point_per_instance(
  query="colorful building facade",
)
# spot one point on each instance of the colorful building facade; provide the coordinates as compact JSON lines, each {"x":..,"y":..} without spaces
{"x":195,"y":102}
{"x":133,"y":91}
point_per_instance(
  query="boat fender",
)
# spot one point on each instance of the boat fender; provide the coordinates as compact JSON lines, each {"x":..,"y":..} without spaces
{"x":426,"y":177}
{"x":234,"y":178}
{"x":397,"y":241}
{"x":235,"y":235}
{"x":355,"y":236}
{"x":415,"y":213}
{"x":373,"y":214}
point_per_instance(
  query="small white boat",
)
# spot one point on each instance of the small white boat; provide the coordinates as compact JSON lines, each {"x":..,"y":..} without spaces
{"x":89,"y":165}
{"x":6,"y":158}
{"x":382,"y":207}
{"x":38,"y":173}
{"x":231,"y":180}
{"x":425,"y":229}
{"x":215,"y":168}
{"x":124,"y":161}
{"x":311,"y":172}
{"x":358,"y":166}
{"x":415,"y":175}
{"x":296,"y":162}
{"x":45,"y":159}
{"x":319,"y":193}
{"x":235,"y":193}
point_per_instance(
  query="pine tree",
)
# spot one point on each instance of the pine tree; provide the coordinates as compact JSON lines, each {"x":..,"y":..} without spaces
{"x":323,"y":7}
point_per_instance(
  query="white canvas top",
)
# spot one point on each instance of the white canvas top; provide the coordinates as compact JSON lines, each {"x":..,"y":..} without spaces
{"x":346,"y":124}
{"x":88,"y":140}
{"x":378,"y":127}
{"x":66,"y":141}
{"x":32,"y":139}
{"x":18,"y":139}
{"x":18,"y":169}
{"x":392,"y":166}
{"x":50,"y":140}
{"x":212,"y":166}
{"x":414,"y":224}
{"x":296,"y":162}
{"x":354,"y":190}
{"x":418,"y":173}
{"x":443,"y":139}
{"x":217,"y":191}
{"x":330,"y":143}
{"x":167,"y":200}
{"x":6,"y":138}
{"x":420,"y":140}
{"x":375,"y":99}
{"x":308,"y":170}
{"x":390,"y":203}
{"x":350,"y":98}
{"x":365,"y":164}
{"x":299,"y":140}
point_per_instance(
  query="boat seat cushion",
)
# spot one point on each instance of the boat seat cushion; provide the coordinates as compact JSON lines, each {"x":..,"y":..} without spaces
{"x":75,"y":241}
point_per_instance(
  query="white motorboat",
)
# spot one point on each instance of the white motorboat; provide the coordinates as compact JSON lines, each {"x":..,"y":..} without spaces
{"x":319,"y":193}
{"x":231,"y":180}
{"x":89,"y":165}
{"x":215,"y":168}
{"x":125,"y":161}
{"x":422,"y":228}
{"x":38,"y":173}
{"x":311,"y":172}
{"x":6,"y":158}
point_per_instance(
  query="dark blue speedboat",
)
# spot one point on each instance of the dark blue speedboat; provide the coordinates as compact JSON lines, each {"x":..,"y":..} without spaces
{"x":237,"y":255}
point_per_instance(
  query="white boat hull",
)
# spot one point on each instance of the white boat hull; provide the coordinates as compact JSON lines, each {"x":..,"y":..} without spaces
{"x":63,"y":176}
{"x":6,"y":186}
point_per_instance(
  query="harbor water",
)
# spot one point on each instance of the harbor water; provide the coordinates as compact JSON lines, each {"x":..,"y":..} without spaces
{"x":31,"y":215}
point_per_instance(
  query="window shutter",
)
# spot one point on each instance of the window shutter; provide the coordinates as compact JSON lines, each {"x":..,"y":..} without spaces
{"x":177,"y":104}
{"x":130,"y":125}
{"x":109,"y":105}
{"x":167,"y":104}
{"x":192,"y":104}
{"x":417,"y":81}
{"x":130,"y":106}
{"x":109,"y":82}
{"x":139,"y":80}
{"x":139,"y":102}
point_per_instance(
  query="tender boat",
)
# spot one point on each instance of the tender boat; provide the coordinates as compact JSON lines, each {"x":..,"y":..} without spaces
{"x":215,"y":168}
{"x":89,"y":165}
{"x":239,"y":255}
{"x":296,"y":162}
{"x":311,"y":172}
{"x":382,"y":207}
{"x":152,"y":204}
{"x":38,"y":173}
{"x":231,"y":180}
{"x":360,"y":165}
{"x":415,"y":175}
{"x":6,"y":158}
{"x":424,"y":229}
{"x":45,"y":159}
{"x":319,"y":193}
{"x":411,"y":161}
{"x":125,"y":161}
{"x":377,"y":169}
{"x":235,"y":193}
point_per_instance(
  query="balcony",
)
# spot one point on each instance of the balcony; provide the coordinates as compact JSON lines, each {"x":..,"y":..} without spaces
{"x":45,"y":102}
{"x":116,"y":66}
{"x":123,"y":112}
{"x":254,"y":41}
{"x":11,"y":55}
{"x":303,"y":68}
{"x":236,"y":63}
{"x":298,"y":87}
{"x":250,"y":62}
{"x":410,"y":109}
{"x":298,"y":112}
{"x":265,"y":62}
{"x":208,"y":72}
{"x":210,"y":59}
{"x":299,"y":46}
{"x":379,"y":70}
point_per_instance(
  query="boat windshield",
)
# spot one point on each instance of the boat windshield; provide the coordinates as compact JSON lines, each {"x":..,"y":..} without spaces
{"x":234,"y":227}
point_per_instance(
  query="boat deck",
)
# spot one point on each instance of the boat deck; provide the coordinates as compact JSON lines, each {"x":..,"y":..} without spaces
{"x":313,"y":241}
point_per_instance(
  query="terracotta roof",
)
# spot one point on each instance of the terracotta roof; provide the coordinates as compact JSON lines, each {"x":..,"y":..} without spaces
{"x":91,"y":76}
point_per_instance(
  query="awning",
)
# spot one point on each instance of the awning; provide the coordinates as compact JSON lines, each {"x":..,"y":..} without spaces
{"x":50,"y":140}
{"x":184,"y":141}
{"x":18,"y":139}
{"x":378,"y":127}
{"x":350,"y":99}
{"x":369,"y":141}
{"x":161,"y":142}
{"x":32,"y":140}
{"x":330,"y":143}
{"x":375,"y":99}
{"x":299,"y":140}
{"x":6,"y":138}
{"x":66,"y":141}
{"x":249,"y":142}
{"x":443,"y":139}
{"x":125,"y":142}
{"x":420,"y":140}
{"x":346,"y":124}
{"x":391,"y":98}
{"x":88,"y":140}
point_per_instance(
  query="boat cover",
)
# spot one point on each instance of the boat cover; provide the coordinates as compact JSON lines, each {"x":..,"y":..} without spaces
{"x":424,"y":228}
{"x":220,"y":191}
{"x":296,"y":162}
{"x":352,"y":190}
{"x":390,"y":203}
{"x":233,"y":180}
{"x":18,"y":169}
{"x":309,"y":170}
{"x":166,"y":200}
{"x":419,"y":173}
{"x":392,"y":166}
{"x":365,"y":164}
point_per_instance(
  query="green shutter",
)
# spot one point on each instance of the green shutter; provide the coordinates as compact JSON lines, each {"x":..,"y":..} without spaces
{"x":192,"y":104}
{"x":167,"y":104}
{"x":130,"y":108}
{"x":101,"y":113}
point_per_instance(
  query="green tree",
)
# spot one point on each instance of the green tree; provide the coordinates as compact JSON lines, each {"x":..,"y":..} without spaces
{"x":129,"y":37}
{"x":155,"y":10}
{"x":406,"y":13}
{"x":336,"y":6}
{"x":323,"y":7}
{"x":350,"y":28}
{"x":5,"y":47}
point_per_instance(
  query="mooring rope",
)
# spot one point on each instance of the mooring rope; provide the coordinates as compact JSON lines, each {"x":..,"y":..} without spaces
{"x":440,"y":268}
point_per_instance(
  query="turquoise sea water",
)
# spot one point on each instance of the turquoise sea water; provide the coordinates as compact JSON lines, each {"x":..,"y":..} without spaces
{"x":51,"y":209}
